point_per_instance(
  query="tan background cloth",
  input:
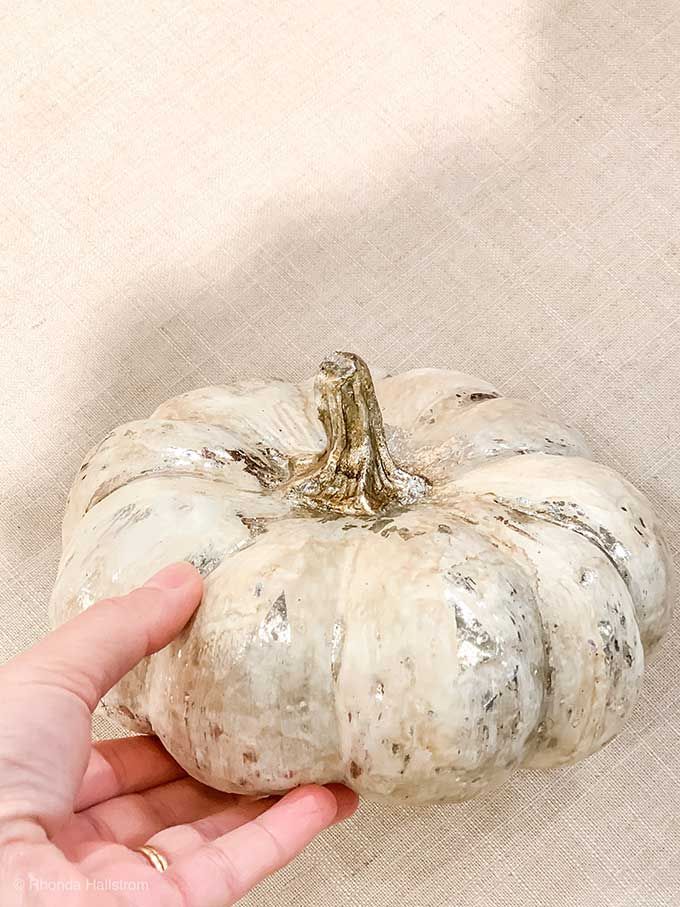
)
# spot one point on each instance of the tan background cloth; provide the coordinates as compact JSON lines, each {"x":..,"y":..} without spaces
{"x":191,"y":192}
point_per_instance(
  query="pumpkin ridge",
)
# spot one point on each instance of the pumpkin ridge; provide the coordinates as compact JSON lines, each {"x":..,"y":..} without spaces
{"x":531,"y":571}
{"x":618,"y":663}
{"x":554,"y":512}
{"x":269,"y":466}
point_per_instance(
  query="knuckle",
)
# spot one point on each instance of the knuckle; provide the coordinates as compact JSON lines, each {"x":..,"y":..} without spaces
{"x":208,"y":829}
{"x":276,"y":853}
{"x":226,"y":867}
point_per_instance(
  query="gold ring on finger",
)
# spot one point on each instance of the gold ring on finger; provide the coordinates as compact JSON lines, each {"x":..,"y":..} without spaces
{"x":155,"y":857}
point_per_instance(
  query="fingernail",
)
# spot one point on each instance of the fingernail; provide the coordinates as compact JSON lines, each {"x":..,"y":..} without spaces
{"x":313,"y":798}
{"x":347,"y":800}
{"x":172,"y":577}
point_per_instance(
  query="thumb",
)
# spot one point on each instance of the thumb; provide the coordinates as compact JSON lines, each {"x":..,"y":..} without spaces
{"x":91,"y":652}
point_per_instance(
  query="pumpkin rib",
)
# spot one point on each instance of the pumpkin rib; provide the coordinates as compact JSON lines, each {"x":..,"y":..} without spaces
{"x":589,"y":495}
{"x":278,"y":415}
{"x":406,"y":399}
{"x":145,"y":448}
{"x":474,"y":648}
{"x":617,"y":658}
{"x":493,"y":429}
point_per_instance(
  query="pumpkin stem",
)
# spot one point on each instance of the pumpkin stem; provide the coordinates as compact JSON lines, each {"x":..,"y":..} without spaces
{"x":356,"y":473}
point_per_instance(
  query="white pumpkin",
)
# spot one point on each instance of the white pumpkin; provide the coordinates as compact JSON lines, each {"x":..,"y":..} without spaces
{"x":417,"y":631}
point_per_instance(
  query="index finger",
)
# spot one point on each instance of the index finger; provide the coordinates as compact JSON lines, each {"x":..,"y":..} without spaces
{"x":91,"y":652}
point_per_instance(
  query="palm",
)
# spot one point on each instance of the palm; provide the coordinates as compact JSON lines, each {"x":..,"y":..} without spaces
{"x":134,"y":792}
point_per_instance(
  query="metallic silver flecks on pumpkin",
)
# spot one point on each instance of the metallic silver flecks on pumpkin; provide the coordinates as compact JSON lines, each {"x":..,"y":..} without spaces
{"x":418,"y":630}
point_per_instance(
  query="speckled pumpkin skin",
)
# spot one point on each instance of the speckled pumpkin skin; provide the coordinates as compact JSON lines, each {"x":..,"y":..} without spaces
{"x":421,"y":654}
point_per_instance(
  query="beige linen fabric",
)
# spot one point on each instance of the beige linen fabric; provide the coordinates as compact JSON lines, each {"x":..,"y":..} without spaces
{"x":192,"y":192}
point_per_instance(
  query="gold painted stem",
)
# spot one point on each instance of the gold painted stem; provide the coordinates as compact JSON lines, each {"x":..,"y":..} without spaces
{"x":356,"y":473}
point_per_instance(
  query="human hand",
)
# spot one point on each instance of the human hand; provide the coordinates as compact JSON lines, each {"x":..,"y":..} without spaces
{"x":72,"y":812}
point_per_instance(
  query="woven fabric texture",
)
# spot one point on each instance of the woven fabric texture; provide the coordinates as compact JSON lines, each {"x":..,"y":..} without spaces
{"x":195,"y":192}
